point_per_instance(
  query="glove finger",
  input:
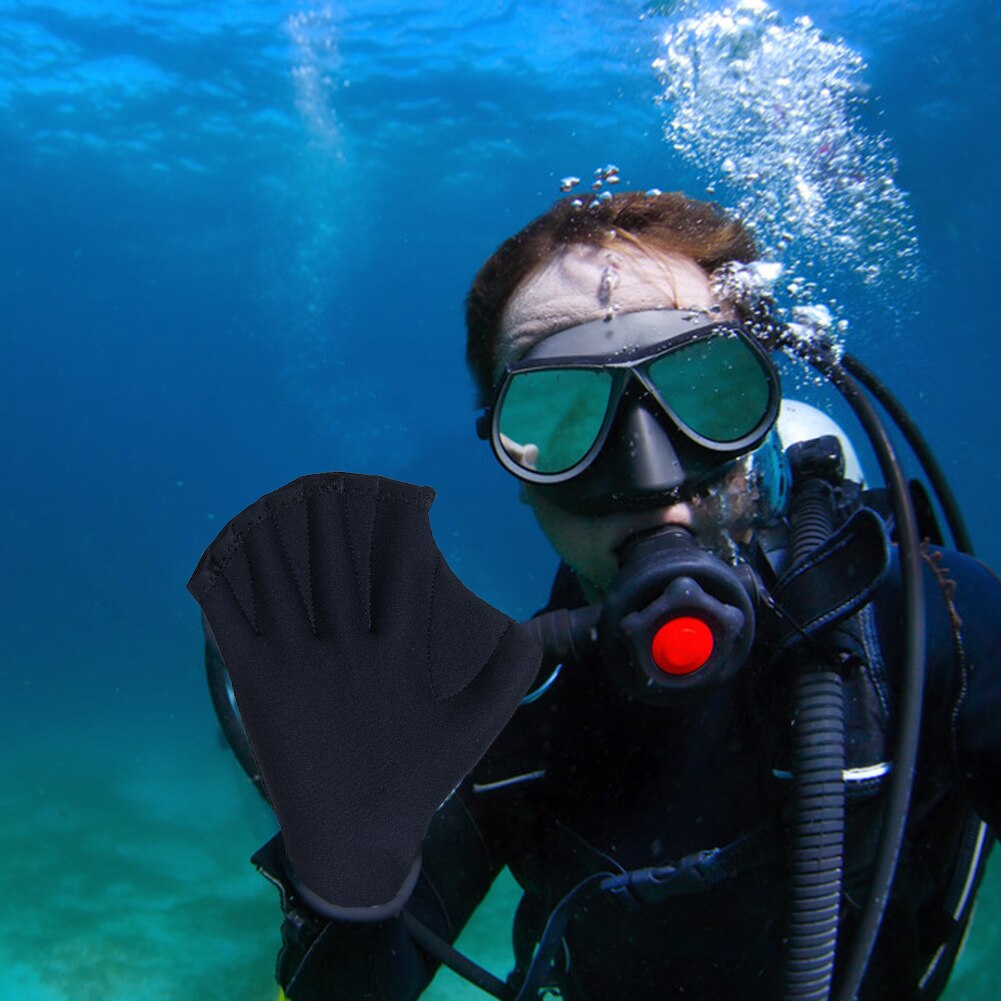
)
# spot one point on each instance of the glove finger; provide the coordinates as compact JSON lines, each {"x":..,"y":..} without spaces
{"x":276,"y":546}
{"x":223,"y":586}
{"x":287,"y":550}
{"x":403,"y":558}
{"x":338,"y":555}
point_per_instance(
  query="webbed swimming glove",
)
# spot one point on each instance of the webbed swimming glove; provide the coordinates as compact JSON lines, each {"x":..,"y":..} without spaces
{"x":370,"y":680}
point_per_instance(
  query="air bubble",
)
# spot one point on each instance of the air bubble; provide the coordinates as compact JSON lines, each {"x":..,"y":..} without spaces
{"x":768,"y":112}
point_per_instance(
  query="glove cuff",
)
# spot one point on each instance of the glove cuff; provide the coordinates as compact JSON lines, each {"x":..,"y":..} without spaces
{"x":378,"y":912}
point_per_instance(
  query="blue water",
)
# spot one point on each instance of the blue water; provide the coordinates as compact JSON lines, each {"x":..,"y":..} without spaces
{"x":234,"y":245}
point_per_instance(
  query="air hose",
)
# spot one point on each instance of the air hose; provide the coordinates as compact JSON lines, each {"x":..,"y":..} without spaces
{"x":912,"y":691}
{"x":817,"y":850}
{"x":920,"y":447}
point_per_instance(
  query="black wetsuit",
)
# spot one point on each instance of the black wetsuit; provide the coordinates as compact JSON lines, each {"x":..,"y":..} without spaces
{"x":584,"y":780}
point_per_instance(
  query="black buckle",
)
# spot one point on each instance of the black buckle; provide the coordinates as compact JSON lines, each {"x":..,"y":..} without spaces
{"x":653,"y":884}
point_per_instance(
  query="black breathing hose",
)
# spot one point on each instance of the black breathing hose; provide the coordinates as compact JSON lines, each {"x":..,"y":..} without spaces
{"x":912,"y":689}
{"x":915,"y":439}
{"x":817,"y":850}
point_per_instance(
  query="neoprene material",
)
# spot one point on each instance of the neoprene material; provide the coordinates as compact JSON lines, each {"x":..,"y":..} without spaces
{"x":369,"y":678}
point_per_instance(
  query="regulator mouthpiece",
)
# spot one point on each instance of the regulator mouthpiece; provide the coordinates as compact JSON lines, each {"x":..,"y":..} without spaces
{"x":677,"y":622}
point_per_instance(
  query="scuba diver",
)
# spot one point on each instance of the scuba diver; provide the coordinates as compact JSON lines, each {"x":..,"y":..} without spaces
{"x":718,"y":781}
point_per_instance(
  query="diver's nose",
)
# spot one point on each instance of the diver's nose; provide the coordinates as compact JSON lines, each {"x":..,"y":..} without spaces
{"x":642,"y":454}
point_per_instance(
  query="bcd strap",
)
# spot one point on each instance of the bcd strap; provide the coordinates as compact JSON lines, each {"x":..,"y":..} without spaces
{"x":834,"y":581}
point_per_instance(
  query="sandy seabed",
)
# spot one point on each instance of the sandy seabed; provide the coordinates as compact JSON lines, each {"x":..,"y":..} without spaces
{"x":126,"y":876}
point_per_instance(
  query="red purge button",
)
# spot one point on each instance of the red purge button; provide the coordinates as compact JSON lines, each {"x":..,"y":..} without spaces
{"x":682,"y":645}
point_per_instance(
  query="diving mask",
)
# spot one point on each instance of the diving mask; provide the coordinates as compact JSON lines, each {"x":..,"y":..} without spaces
{"x":633,"y":407}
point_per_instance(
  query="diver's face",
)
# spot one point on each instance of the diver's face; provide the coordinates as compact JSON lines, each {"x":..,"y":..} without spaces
{"x":589,"y":283}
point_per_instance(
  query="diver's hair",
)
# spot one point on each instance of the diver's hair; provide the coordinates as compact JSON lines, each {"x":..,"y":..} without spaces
{"x":668,"y":221}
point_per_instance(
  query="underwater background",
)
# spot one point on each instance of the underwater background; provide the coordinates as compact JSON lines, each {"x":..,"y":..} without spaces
{"x":235,"y":239}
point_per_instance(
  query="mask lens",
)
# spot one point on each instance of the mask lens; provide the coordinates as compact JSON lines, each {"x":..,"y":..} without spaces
{"x":550,"y":418}
{"x":717,"y":387}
